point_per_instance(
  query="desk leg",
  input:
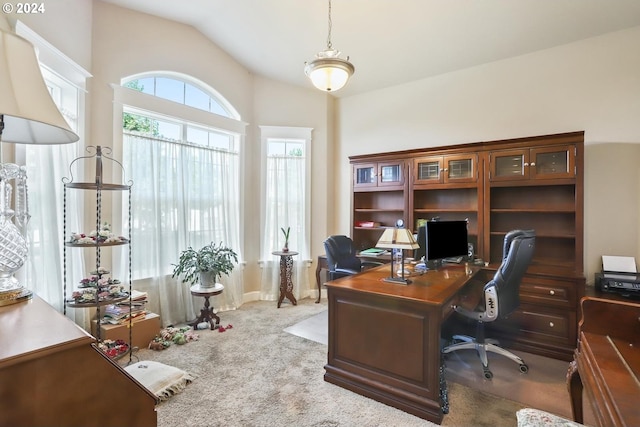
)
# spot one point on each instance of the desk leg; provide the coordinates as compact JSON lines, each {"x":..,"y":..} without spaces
{"x":574,"y":385}
{"x":286,"y":280}
{"x":444,"y":391}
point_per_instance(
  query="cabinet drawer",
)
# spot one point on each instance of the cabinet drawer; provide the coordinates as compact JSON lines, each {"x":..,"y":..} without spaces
{"x":547,"y":292}
{"x":530,"y":324}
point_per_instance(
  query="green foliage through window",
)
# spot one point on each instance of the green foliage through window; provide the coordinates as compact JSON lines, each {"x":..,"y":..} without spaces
{"x":132,"y":122}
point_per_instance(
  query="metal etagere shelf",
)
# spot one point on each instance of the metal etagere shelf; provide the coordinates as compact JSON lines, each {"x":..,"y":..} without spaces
{"x":99,"y":155}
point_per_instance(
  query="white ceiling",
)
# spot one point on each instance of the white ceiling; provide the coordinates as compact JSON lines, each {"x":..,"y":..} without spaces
{"x":389,"y":42}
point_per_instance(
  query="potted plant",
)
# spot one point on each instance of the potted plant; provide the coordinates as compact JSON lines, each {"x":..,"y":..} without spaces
{"x":285,"y":248}
{"x":206,"y":265}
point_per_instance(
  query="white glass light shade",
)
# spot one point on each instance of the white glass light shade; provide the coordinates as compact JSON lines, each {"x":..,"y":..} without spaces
{"x":30,"y":115}
{"x":329,"y":74}
{"x":397,"y":238}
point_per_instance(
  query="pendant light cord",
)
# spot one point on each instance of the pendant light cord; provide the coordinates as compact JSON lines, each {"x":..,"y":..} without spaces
{"x":329,"y":36}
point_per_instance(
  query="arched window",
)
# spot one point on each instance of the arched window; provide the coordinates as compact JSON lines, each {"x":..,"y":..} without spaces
{"x":181,"y":148}
{"x":182,"y":90}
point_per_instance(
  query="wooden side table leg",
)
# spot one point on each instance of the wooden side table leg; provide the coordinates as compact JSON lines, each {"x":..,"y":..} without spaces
{"x":318,"y":269}
{"x":286,"y":280}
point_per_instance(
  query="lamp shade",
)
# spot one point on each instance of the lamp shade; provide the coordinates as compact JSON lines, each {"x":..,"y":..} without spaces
{"x":397,"y":238}
{"x":329,"y":73}
{"x":30,"y":115}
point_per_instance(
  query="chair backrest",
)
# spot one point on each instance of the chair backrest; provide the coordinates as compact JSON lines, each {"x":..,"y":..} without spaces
{"x":341,"y":253}
{"x":517,"y":254}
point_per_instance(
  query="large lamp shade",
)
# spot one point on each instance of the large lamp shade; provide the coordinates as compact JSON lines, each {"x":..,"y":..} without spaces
{"x":30,"y":115}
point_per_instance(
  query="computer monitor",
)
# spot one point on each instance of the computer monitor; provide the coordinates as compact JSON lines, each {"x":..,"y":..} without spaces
{"x":442,"y":239}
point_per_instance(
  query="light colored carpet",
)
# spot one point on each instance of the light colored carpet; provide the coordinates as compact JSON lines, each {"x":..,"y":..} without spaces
{"x":255,"y":374}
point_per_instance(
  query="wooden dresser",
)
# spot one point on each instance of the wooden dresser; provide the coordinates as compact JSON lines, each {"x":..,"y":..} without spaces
{"x":51,"y":373}
{"x":607,"y":361}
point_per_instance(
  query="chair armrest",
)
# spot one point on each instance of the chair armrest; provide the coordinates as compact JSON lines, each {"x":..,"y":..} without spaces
{"x":488,"y":313}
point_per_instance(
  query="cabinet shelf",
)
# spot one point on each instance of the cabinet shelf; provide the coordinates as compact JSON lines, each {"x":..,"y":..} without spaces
{"x":540,"y":211}
{"x":373,"y":210}
{"x":445,"y":210}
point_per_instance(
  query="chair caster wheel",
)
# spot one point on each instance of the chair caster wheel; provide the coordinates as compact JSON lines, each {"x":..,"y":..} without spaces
{"x":488,"y":374}
{"x":524,"y":368}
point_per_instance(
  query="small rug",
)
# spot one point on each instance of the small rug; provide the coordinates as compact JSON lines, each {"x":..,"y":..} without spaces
{"x":314,"y":328}
{"x":162,"y":380}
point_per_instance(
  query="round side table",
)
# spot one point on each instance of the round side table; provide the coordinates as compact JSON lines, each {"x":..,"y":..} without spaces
{"x":206,"y":313}
{"x":286,"y":273}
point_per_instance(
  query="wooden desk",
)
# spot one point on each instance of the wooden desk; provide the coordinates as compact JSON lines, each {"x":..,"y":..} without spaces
{"x":384,"y":338}
{"x":607,"y":362}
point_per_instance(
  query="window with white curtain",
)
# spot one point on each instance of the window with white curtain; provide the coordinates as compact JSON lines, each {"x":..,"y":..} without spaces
{"x":46,"y":166}
{"x":185,"y":190}
{"x":285,"y":205}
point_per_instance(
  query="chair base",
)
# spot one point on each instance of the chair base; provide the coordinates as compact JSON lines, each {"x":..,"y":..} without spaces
{"x":489,"y":345}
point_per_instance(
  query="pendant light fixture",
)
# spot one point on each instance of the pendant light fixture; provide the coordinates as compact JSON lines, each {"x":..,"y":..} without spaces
{"x":328,"y":72}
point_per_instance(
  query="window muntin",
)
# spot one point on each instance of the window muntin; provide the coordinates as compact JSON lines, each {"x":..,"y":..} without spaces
{"x":178,"y":91}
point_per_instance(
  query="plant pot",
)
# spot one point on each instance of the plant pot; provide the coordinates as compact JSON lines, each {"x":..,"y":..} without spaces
{"x":207,"y":279}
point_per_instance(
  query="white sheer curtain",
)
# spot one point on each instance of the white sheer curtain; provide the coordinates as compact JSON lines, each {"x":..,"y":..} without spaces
{"x":44,"y":272}
{"x":285,"y":206}
{"x":182,"y":195}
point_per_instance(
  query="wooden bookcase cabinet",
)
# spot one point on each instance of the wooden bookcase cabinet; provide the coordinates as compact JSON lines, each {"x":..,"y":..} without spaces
{"x":534,"y":182}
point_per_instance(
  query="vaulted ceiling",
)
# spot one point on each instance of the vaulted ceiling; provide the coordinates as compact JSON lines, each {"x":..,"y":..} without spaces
{"x":390,"y":42}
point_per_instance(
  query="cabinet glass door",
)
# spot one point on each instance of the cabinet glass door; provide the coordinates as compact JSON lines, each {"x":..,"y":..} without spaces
{"x":508,"y":165}
{"x":364,"y":175}
{"x":460,"y":168}
{"x":427,"y":170}
{"x":554,"y":162}
{"x":390,"y":174}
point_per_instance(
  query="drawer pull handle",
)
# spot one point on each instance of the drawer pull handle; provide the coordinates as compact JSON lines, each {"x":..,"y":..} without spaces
{"x":552,"y":292}
{"x":551,"y":324}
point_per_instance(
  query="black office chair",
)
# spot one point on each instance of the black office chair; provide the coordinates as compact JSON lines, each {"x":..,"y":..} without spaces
{"x":342,"y":259}
{"x":501,"y":298}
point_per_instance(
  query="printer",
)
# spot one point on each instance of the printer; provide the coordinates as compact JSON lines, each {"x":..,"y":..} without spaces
{"x":619,"y":275}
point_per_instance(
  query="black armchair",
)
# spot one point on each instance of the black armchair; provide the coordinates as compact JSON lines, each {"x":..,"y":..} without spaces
{"x":501,"y":298}
{"x":342,"y":259}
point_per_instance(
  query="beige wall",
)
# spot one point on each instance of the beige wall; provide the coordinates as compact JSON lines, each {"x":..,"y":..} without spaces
{"x":591,"y":85}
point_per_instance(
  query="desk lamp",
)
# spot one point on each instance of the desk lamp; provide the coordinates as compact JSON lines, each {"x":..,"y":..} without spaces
{"x":397,"y":238}
{"x":28,"y":115}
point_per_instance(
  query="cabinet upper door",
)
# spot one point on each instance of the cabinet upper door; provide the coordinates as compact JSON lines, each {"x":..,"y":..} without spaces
{"x":445,"y":169}
{"x":461,"y":168}
{"x":553,"y":162}
{"x":390,"y":173}
{"x":509,"y":165}
{"x":428,"y":170}
{"x":534,"y":163}
{"x":381,"y":174}
{"x":365,"y":175}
